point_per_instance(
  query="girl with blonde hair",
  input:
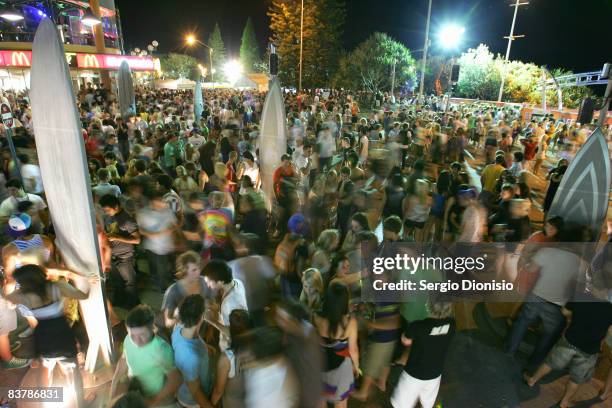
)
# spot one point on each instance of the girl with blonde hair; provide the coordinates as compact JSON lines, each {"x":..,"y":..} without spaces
{"x":189,"y":282}
{"x":313,"y":289}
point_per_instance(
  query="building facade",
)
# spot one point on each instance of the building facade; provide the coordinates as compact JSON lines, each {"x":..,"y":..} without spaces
{"x":93,"y":52}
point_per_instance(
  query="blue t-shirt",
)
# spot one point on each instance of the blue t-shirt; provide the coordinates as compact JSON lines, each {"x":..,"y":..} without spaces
{"x":191,"y":358}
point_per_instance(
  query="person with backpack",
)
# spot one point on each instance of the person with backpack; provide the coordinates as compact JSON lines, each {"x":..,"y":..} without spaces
{"x":291,"y":255}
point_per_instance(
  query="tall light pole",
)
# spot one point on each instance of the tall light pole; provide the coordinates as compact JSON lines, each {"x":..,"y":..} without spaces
{"x":422,"y":82}
{"x":301,"y":46}
{"x":191,"y":40}
{"x":510,"y":38}
{"x":450,"y":37}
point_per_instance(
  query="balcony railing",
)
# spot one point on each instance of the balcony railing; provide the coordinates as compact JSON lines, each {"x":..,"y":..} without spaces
{"x":81,"y":39}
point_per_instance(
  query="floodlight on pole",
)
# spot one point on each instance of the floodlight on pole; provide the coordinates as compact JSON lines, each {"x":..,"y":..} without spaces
{"x":450,"y":35}
{"x":11,"y":14}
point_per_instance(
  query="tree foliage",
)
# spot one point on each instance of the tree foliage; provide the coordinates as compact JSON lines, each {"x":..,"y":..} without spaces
{"x":323,"y":29}
{"x":369,"y":65}
{"x":177,"y":66}
{"x":436,"y":71}
{"x":479,"y":76}
{"x":481,"y":72}
{"x":249,"y":50}
{"x":215,"y":41}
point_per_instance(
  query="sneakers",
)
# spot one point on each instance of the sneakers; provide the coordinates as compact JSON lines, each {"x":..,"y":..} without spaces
{"x":26,"y":333}
{"x":16,"y":363}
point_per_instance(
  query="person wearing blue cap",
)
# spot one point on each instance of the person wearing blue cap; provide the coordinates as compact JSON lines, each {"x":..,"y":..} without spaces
{"x":291,"y":256}
{"x":35,"y":248}
{"x":24,"y":243}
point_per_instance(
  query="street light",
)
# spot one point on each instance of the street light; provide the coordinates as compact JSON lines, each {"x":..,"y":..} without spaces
{"x":450,"y":36}
{"x":11,"y":14}
{"x":90,"y":19}
{"x":191,"y":40}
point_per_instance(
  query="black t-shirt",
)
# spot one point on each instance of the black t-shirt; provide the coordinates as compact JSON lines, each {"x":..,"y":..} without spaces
{"x":430,"y":341}
{"x":255,"y":222}
{"x":590,"y":323}
{"x":123,"y":225}
{"x":192,"y":224}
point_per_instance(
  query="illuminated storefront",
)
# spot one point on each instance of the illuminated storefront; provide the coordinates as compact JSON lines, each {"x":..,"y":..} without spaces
{"x":84,"y":67}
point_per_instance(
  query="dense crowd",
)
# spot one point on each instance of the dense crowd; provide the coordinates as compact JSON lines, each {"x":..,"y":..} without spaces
{"x":262,"y":295}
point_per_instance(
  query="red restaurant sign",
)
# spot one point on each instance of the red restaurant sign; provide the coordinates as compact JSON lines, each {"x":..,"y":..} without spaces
{"x":23,"y":59}
{"x":111,"y":61}
{"x":20,"y":59}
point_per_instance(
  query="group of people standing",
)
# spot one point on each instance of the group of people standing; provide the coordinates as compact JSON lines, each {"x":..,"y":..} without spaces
{"x":261,"y":297}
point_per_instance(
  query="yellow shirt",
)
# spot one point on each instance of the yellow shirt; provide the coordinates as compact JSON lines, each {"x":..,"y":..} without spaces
{"x":490,"y":174}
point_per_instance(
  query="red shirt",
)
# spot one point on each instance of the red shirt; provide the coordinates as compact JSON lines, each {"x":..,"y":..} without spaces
{"x":280,"y":173}
{"x":530,"y":149}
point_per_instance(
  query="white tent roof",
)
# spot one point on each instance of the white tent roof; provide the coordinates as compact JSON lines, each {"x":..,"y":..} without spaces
{"x":245,"y":82}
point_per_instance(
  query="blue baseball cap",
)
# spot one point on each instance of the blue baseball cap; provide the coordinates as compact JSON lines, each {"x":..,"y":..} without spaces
{"x":297,"y":224}
{"x":18,"y":224}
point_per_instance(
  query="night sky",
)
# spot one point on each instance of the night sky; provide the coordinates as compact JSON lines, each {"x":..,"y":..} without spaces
{"x":573,"y":34}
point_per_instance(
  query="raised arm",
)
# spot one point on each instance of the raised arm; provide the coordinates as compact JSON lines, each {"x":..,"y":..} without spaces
{"x":223,"y":369}
{"x":120,"y":382}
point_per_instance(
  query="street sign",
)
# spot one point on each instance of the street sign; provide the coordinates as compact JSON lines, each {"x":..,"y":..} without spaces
{"x":7,"y":115}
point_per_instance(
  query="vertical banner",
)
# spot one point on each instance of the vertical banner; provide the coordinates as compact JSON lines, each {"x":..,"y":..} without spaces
{"x":584,"y":192}
{"x":272,"y":137}
{"x":198,"y":104}
{"x":61,"y":154}
{"x":125,"y":90}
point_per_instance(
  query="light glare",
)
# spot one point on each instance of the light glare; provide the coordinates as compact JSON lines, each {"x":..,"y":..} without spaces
{"x":233,"y":70}
{"x":450,"y":35}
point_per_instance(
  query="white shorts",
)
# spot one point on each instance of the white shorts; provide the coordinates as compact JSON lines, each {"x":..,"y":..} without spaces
{"x":410,"y":390}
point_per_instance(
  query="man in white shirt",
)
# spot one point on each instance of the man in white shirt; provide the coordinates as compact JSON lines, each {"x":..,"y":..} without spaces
{"x":156,"y":224}
{"x":218,"y":276}
{"x":558,"y":271}
{"x":30,"y":173}
{"x":196,"y":139}
{"x":17,"y":195}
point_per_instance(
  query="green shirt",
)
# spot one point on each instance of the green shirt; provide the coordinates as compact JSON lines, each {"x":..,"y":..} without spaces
{"x":171,"y":154}
{"x":414,"y":305}
{"x":149,"y":364}
{"x":472,"y":122}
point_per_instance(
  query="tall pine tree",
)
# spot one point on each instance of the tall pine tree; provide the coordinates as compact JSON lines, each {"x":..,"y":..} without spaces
{"x":249,"y":50}
{"x":323,"y":28}
{"x":215,"y":41}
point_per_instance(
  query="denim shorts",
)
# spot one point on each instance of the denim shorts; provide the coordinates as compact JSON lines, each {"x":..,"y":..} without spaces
{"x":579,"y":364}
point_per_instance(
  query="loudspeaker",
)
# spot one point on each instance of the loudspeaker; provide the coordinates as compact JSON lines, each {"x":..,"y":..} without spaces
{"x":455,"y":73}
{"x":585,"y":113}
{"x":273,"y":64}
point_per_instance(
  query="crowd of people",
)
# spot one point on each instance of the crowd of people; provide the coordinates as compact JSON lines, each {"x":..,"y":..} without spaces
{"x":261,"y":296}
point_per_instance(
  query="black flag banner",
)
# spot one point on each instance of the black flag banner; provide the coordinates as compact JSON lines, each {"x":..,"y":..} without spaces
{"x":584,"y":191}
